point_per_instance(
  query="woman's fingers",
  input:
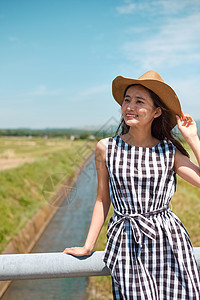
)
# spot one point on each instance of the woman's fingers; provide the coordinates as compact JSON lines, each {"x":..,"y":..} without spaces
{"x":77,"y":251}
{"x":73,"y":251}
{"x":186,"y":125}
{"x":185,"y":119}
{"x":68,"y":250}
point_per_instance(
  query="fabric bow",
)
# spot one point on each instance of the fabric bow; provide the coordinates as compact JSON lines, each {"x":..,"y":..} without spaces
{"x":139,"y":224}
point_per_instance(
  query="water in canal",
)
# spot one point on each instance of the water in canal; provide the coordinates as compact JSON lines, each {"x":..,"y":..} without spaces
{"x":68,"y":228}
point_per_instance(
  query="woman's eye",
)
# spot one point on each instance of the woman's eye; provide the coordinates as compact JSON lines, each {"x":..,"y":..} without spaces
{"x":139,"y":101}
{"x":126,"y":100}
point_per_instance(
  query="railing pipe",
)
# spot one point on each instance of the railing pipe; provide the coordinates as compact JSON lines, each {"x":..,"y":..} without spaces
{"x":55,"y":265}
{"x":51,"y":265}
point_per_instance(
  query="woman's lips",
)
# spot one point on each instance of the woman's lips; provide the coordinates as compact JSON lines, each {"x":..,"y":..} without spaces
{"x":131,"y":116}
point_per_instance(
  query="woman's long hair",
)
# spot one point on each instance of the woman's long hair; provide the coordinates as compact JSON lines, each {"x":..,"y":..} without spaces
{"x":161,"y":126}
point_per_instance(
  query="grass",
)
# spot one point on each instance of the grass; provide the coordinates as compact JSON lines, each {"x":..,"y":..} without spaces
{"x":35,"y":148}
{"x":185,"y":204}
{"x":21,"y":189}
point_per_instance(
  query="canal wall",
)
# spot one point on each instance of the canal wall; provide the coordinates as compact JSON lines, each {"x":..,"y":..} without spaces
{"x":29,"y":235}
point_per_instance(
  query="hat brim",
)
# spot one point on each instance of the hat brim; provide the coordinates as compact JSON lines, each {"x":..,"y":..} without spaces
{"x":166,"y":94}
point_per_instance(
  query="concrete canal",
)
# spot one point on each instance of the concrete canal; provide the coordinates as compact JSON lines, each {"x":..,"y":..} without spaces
{"x":68,"y":228}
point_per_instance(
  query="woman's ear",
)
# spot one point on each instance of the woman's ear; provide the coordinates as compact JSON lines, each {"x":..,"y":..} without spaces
{"x":158,"y":112}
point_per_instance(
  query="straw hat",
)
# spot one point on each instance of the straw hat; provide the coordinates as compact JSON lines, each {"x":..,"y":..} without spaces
{"x":153,"y":81}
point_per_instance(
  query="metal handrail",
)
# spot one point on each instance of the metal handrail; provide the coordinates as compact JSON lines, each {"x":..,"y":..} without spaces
{"x":51,"y":265}
{"x":56,"y":265}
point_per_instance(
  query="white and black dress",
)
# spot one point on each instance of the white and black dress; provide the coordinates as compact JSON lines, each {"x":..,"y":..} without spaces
{"x":148,"y":249}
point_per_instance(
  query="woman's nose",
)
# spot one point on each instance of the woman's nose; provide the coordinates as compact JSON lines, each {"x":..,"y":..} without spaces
{"x":130,"y":106}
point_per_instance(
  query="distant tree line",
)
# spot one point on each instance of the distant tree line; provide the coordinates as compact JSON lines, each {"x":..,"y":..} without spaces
{"x":53,"y":133}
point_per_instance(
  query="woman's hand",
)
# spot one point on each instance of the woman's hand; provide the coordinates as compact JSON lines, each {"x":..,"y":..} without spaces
{"x":77,"y":251}
{"x":187,"y":126}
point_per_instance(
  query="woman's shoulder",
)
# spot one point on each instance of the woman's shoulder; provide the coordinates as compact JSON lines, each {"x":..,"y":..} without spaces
{"x":103,"y":142}
{"x":100,"y":152}
{"x":101,"y":147}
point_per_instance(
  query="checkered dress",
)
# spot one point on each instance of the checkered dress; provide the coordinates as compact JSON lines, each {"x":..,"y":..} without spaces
{"x":148,"y":249}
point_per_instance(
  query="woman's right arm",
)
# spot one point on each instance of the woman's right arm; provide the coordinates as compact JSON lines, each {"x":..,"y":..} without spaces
{"x":102,"y":204}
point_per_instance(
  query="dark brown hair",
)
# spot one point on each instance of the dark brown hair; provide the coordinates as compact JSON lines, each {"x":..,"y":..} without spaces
{"x":161,"y":126}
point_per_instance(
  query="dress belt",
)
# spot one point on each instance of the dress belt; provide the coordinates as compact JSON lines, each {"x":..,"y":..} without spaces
{"x":147,"y":214}
{"x":140,"y":223}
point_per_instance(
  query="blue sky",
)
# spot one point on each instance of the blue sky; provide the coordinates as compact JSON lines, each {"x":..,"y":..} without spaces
{"x":58,"y":58}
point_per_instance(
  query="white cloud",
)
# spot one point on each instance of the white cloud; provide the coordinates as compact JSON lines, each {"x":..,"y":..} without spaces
{"x":126,"y":9}
{"x":157,"y":7}
{"x":137,"y":30}
{"x":175,"y":6}
{"x":40,"y":91}
{"x":177,"y":42}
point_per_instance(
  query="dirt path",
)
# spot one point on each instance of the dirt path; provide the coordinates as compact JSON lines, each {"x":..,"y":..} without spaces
{"x":9,"y":163}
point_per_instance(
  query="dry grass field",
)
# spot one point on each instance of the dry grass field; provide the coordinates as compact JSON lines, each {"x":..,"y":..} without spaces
{"x":25,"y":166}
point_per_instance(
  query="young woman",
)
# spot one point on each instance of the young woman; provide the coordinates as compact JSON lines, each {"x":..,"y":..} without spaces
{"x":148,"y":250}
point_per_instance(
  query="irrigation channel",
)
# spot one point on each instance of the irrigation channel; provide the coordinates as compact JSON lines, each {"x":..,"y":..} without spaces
{"x":68,"y":228}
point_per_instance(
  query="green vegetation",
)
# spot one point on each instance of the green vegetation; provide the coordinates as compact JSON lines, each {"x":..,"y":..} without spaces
{"x":21,"y":190}
{"x":15,"y":147}
{"x":185,"y":204}
{"x":65,"y":132}
{"x":41,"y":132}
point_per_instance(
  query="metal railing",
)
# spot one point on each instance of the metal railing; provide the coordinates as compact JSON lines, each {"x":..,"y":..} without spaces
{"x":56,"y":265}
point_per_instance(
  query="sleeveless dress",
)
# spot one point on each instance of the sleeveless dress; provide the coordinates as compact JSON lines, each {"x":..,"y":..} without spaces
{"x":148,"y":249}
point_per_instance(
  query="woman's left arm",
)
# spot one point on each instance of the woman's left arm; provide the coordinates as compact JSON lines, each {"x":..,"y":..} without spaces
{"x":182,"y":164}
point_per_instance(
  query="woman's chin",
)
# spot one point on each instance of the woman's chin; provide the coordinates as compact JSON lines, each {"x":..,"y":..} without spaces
{"x":131,"y":122}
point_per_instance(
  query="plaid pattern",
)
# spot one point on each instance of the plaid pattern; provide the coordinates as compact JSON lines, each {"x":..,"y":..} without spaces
{"x":148,"y":249}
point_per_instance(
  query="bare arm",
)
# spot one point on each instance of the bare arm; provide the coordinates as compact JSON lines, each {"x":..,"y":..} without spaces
{"x":102,"y":204}
{"x":182,"y":164}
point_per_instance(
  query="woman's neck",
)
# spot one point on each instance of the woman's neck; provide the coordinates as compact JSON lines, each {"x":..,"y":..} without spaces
{"x":141,"y":138}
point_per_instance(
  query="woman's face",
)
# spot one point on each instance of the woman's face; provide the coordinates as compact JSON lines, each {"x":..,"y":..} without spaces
{"x":138,"y":107}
